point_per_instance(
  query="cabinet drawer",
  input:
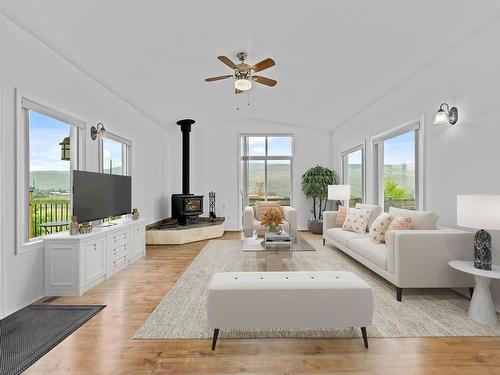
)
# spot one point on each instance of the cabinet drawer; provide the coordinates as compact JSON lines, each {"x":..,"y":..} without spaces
{"x":119,"y":261}
{"x":118,"y":238}
{"x":117,"y":251}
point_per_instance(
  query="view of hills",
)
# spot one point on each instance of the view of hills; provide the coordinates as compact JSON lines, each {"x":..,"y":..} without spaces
{"x":279,"y":175}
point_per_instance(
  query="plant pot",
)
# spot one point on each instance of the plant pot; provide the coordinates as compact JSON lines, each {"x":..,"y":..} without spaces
{"x":315,"y":226}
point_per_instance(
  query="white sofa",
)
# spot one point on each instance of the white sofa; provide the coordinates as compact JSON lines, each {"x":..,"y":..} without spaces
{"x":251,"y":224}
{"x":410,"y":259}
{"x":270,"y":300}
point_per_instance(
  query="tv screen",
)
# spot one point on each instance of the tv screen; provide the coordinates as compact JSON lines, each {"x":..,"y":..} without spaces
{"x":98,"y":195}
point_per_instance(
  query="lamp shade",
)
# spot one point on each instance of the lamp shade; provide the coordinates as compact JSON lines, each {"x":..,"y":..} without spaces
{"x":441,"y":118}
{"x":478,"y":211}
{"x":339,"y":192}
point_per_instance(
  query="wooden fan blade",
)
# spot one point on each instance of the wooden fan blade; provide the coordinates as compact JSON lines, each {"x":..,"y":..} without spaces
{"x":264,"y":64}
{"x":264,"y":80}
{"x":228,"y":62}
{"x":236,"y":91}
{"x":218,"y":78}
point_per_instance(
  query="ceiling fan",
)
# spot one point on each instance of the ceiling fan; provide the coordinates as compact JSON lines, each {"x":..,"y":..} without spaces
{"x":244,"y":73}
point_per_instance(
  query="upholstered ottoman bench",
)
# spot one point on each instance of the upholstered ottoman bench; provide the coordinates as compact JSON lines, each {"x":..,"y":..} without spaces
{"x":267,"y":300}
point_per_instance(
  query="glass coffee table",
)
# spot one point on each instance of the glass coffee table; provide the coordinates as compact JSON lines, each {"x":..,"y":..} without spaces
{"x":274,"y":249}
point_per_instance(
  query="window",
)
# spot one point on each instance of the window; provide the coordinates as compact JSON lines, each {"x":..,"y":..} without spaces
{"x":50,"y":146}
{"x":114,"y":155}
{"x":353,"y":173}
{"x":266,"y":169}
{"x":398,"y":167}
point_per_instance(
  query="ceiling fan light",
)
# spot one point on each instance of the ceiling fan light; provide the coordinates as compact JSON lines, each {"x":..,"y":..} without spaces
{"x":243,"y":84}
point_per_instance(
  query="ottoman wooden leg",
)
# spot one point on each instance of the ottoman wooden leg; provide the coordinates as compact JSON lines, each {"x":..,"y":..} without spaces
{"x":324,"y":242}
{"x":214,"y":339}
{"x":365,"y":336}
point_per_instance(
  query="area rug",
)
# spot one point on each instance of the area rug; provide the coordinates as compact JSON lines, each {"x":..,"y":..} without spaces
{"x":423,"y":313}
{"x":30,"y":333}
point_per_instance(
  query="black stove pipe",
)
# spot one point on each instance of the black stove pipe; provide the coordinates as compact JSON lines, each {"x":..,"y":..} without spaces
{"x":186,"y":129}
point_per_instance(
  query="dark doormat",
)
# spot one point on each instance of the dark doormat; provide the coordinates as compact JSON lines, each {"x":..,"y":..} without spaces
{"x":30,"y":333}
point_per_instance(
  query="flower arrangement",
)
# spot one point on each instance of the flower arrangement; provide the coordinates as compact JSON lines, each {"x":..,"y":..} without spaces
{"x":272,"y":218}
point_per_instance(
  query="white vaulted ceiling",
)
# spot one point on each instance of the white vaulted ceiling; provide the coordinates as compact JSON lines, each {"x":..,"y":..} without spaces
{"x":333,"y":58}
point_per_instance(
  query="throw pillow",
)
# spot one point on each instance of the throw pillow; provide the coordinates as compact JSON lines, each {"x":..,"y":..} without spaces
{"x":419,"y":219}
{"x":376,"y":211}
{"x":341,"y":217}
{"x":262,"y":207}
{"x":379,"y":227}
{"x":356,"y":220}
{"x":399,"y":223}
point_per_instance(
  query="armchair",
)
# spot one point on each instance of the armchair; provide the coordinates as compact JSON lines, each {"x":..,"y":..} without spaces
{"x":251,"y":224}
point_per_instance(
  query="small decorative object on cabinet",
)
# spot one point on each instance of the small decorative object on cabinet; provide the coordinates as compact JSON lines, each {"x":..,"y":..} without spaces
{"x":315,"y":185}
{"x":135,"y":214}
{"x":85,"y":227}
{"x":74,"y":226}
{"x":211,"y":199}
{"x":480,"y":212}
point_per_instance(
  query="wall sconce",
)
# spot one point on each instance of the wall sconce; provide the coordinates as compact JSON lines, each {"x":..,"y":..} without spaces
{"x":446,"y":115}
{"x":98,"y":131}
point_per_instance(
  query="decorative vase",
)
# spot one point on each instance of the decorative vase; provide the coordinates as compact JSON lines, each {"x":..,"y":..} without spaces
{"x":135,"y":214}
{"x":73,"y":226}
{"x":315,"y":226}
{"x":278,"y":229}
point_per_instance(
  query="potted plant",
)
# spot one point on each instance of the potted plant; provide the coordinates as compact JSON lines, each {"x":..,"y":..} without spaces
{"x":315,"y":185}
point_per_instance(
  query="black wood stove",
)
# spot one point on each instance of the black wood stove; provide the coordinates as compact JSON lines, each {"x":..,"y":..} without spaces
{"x":186,"y":207}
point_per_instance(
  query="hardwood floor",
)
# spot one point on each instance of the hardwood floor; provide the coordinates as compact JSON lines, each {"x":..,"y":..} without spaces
{"x":104,"y":345}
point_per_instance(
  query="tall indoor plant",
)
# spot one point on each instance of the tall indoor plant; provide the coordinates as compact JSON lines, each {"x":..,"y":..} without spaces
{"x":315,"y":185}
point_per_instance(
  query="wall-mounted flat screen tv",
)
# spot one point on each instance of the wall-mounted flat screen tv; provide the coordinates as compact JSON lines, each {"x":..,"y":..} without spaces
{"x":98,"y":195}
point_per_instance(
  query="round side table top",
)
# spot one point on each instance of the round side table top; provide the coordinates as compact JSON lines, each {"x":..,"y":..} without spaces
{"x":468,"y":267}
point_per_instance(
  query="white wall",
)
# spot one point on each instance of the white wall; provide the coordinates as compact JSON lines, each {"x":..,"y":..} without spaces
{"x":27,"y":64}
{"x":459,"y":159}
{"x":214,"y":162}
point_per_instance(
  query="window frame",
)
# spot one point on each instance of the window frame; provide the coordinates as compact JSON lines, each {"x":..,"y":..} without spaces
{"x":416,"y":125}
{"x":343,"y":166}
{"x":265,"y":158}
{"x":24,"y":104}
{"x":126,"y":153}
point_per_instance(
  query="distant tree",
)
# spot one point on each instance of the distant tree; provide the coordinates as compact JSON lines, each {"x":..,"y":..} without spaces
{"x":392,"y":190}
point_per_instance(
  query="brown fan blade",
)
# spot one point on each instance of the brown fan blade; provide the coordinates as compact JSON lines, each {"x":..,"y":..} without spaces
{"x":228,"y":62}
{"x":264,"y":80}
{"x":264,"y":64}
{"x":236,"y":91}
{"x":217,"y":78}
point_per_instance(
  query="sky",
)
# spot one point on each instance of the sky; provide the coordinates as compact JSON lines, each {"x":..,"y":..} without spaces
{"x":397,"y":150}
{"x":45,"y":135}
{"x":277,"y":146}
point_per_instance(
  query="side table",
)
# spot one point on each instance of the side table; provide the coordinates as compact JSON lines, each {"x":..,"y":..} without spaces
{"x":481,"y":308}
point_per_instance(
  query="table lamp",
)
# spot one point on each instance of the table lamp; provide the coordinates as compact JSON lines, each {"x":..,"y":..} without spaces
{"x":339,"y":193}
{"x":480,"y":212}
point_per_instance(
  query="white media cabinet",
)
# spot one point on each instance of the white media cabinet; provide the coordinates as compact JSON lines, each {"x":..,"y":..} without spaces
{"x":74,"y":264}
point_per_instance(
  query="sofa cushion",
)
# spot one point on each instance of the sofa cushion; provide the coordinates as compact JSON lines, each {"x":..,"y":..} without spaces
{"x":375,"y":253}
{"x":421,"y":220}
{"x":376,"y":211}
{"x":339,"y":223}
{"x":343,"y":236}
{"x":399,"y":223}
{"x":356,"y":220}
{"x":379,"y":227}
